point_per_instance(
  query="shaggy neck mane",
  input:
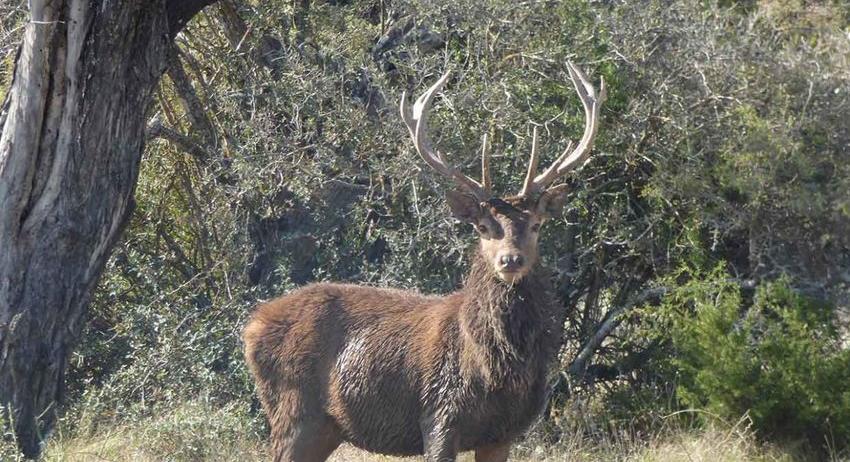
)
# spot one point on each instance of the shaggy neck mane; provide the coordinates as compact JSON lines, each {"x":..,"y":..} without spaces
{"x":504,"y":324}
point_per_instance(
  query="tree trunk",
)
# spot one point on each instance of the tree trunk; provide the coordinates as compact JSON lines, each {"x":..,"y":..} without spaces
{"x":71,"y":142}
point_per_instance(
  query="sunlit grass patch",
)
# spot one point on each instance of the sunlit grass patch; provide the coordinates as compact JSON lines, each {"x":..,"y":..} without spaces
{"x":199,"y":431}
{"x":194,"y":431}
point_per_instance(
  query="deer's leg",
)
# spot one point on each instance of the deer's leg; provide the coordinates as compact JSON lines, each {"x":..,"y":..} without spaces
{"x":440,"y":443}
{"x":301,"y":431}
{"x":440,"y":450}
{"x":493,"y":453}
{"x":316,"y":441}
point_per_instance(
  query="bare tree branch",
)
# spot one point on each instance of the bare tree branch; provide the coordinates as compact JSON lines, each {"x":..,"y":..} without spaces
{"x":192,"y":104}
{"x":612,"y":319}
{"x":181,"y":11}
{"x":156,"y":129}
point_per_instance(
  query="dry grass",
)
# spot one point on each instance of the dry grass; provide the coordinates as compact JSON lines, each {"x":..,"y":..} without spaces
{"x":194,"y":431}
{"x":198,"y":432}
{"x":703,"y":447}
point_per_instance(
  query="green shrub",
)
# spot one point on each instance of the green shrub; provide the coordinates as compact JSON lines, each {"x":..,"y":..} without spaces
{"x":777,"y":357}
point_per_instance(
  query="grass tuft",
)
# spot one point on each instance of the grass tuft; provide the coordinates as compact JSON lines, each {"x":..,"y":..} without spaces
{"x":200,"y":431}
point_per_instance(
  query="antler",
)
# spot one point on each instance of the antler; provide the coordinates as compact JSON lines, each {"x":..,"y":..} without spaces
{"x":570,"y":158}
{"x":417,"y":123}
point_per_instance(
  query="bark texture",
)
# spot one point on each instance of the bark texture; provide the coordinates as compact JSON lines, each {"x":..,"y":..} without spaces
{"x":71,"y":143}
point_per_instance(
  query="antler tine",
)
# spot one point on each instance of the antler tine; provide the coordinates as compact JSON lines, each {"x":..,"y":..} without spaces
{"x":528,"y":184}
{"x":417,"y":124}
{"x":486,"y":182}
{"x":573,"y":158}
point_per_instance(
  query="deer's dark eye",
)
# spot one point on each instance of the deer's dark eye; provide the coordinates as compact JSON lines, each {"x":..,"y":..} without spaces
{"x":482,"y":228}
{"x":535,"y":227}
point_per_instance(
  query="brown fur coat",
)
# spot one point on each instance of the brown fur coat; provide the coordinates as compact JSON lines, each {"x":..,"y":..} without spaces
{"x":383,"y":364}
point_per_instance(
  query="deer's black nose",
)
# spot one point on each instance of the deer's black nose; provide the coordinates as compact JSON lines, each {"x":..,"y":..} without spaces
{"x":511,"y":261}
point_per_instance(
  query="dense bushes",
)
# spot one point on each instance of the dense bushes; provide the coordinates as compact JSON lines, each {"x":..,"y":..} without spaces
{"x":777,"y":356}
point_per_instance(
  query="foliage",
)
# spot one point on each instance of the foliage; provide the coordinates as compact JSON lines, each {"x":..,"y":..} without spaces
{"x":778,"y":357}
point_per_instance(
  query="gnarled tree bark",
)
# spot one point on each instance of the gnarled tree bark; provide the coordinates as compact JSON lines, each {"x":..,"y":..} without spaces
{"x":72,"y":137}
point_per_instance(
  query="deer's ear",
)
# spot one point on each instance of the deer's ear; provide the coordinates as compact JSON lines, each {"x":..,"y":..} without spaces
{"x":552,"y":201}
{"x":465,"y":207}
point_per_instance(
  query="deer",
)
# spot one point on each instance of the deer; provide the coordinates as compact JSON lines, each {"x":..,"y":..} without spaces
{"x":400,"y":373}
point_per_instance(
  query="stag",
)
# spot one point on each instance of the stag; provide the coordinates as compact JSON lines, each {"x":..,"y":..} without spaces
{"x":400,"y":373}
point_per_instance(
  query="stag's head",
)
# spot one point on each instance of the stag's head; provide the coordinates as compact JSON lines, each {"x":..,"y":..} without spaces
{"x":508,"y":226}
